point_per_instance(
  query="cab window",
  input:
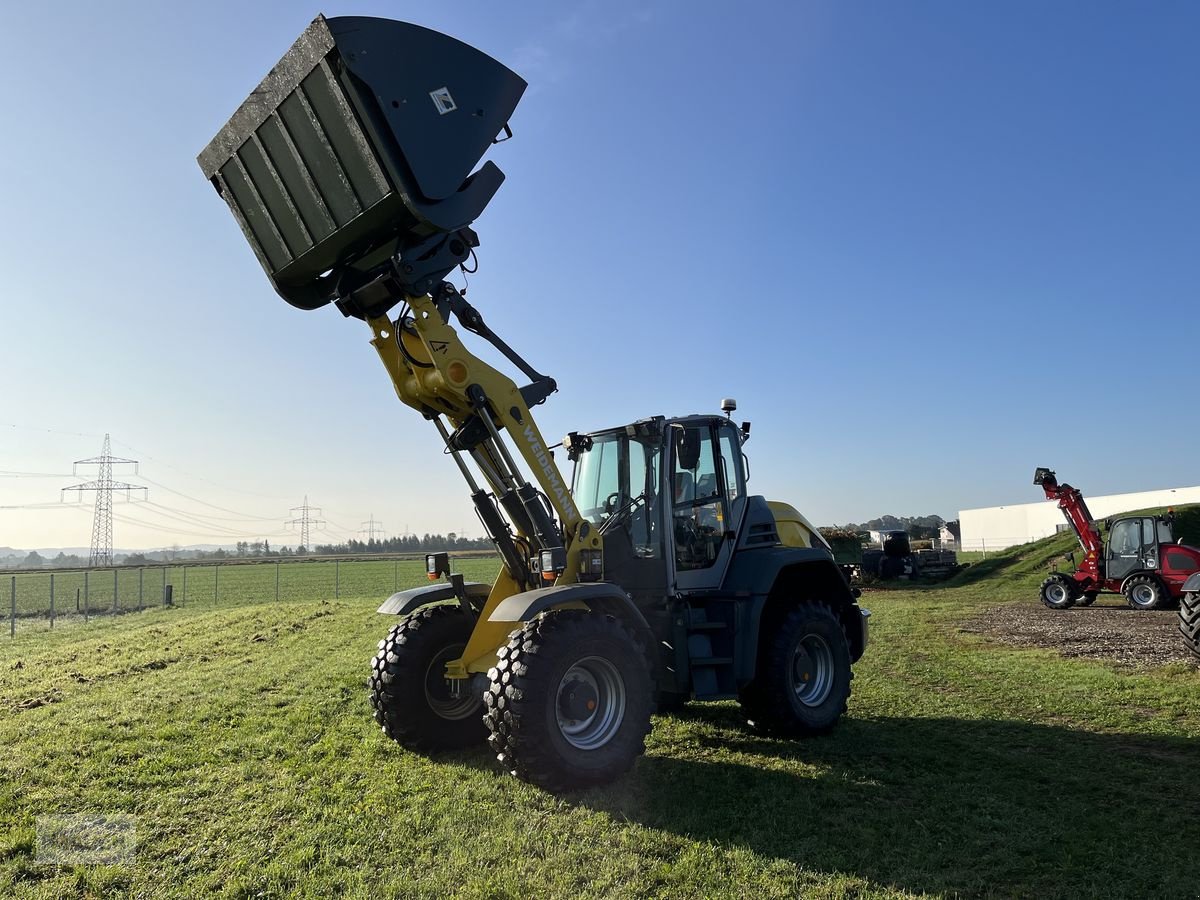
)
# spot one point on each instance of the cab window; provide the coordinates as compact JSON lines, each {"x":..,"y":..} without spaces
{"x":597,"y":478}
{"x":731,"y":458}
{"x":1126,"y":538}
{"x":699,"y":511}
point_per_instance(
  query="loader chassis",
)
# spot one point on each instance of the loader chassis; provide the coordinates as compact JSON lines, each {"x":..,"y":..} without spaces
{"x":350,"y":171}
{"x":1139,"y":558}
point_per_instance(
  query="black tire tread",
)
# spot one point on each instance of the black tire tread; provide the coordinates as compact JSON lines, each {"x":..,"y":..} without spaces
{"x":1164,"y":597}
{"x":1189,"y":622}
{"x":519,"y":686}
{"x":1058,"y":578}
{"x":393,"y":667}
{"x":765,"y":702}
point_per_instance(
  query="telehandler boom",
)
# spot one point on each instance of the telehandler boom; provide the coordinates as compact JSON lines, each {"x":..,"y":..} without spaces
{"x":651,"y":577}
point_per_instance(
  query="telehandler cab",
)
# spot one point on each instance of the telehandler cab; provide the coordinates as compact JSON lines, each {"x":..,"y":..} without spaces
{"x":652,"y":576}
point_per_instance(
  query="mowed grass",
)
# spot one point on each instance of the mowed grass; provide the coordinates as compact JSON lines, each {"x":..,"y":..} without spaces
{"x":241,"y":740}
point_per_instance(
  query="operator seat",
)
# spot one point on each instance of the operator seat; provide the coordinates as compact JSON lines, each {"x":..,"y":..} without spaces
{"x":685,"y":488}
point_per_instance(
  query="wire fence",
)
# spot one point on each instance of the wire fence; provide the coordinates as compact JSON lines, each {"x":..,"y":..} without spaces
{"x":36,"y":600}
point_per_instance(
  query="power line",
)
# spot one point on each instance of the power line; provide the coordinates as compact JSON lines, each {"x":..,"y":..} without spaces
{"x":195,"y":477}
{"x":206,"y":503}
{"x":7,"y":474}
{"x":102,"y":531}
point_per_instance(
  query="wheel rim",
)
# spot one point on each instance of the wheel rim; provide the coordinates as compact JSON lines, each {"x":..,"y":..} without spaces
{"x":1056,"y":593}
{"x":1143,"y":594}
{"x":437,"y":688}
{"x":811,"y":672}
{"x":590,"y":703}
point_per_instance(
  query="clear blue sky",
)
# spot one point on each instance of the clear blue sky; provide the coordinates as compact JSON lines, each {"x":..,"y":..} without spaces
{"x":928,"y":246}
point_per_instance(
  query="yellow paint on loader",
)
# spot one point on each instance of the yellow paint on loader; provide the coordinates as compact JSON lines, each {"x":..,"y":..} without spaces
{"x":795,"y":530}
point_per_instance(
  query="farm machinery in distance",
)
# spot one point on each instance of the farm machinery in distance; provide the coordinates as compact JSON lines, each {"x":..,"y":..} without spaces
{"x":1140,"y":558}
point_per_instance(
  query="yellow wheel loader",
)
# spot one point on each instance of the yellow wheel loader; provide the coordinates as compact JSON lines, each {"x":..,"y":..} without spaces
{"x":647,"y":578}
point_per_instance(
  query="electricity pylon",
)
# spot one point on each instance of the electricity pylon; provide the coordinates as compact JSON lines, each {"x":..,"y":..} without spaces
{"x":304,"y":520}
{"x":101,"y":553}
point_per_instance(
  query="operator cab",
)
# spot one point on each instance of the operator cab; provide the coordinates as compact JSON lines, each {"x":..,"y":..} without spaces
{"x":667,"y":495}
{"x":1133,"y":544}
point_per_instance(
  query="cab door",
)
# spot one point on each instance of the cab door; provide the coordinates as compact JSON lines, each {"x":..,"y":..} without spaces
{"x":1132,"y":547}
{"x":707,"y":491}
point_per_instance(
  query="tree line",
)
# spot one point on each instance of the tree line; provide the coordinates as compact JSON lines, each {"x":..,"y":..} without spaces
{"x":409,"y":543}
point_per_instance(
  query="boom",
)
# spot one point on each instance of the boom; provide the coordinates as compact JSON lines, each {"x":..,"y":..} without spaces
{"x":1074,"y":508}
{"x":471,"y":404}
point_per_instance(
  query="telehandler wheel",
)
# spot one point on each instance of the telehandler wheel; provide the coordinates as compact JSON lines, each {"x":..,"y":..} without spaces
{"x":409,"y":693}
{"x":803,"y":676}
{"x":570,"y":700}
{"x":1189,"y":622}
{"x":1058,"y":591}
{"x":1144,"y":592}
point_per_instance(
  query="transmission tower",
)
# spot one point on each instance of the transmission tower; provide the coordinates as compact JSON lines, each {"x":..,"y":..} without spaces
{"x":304,"y":520}
{"x":371,"y":528}
{"x":101,"y":553}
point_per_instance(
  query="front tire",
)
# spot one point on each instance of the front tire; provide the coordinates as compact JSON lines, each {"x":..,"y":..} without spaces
{"x":1143,"y":592}
{"x":803,"y":675}
{"x":570,"y":700}
{"x":409,"y":693}
{"x":1058,"y":591}
{"x":1189,"y":622}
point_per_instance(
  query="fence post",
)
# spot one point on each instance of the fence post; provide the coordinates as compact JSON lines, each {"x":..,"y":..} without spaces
{"x":337,"y":578}
{"x":116,"y":592}
{"x":984,"y":542}
{"x":141,"y":580}
{"x":51,"y":599}
{"x":277,"y":580}
{"x":183,"y":602}
{"x":216,"y":578}
{"x":12,"y":621}
{"x":86,"y":598}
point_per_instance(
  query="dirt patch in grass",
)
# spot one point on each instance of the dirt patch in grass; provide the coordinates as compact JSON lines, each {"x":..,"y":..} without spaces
{"x":1110,"y":632}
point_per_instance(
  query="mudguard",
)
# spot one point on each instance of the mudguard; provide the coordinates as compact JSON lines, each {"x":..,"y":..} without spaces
{"x":599,"y":596}
{"x":405,"y":602}
{"x":753,"y":574}
{"x":1192,"y":585}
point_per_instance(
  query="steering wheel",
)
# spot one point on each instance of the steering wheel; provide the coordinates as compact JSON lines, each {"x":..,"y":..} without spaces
{"x":612,"y":502}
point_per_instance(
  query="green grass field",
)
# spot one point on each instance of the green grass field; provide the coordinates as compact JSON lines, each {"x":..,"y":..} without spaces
{"x":238,"y":737}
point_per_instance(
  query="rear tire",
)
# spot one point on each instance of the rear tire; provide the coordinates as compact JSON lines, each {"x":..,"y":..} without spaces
{"x":1143,"y":592}
{"x":570,"y":700}
{"x":408,"y":691}
{"x":803,"y":676}
{"x":1189,"y":622}
{"x":1058,"y":591}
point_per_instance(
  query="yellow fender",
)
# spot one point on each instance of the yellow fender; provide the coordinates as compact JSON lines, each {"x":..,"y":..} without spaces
{"x":795,"y":530}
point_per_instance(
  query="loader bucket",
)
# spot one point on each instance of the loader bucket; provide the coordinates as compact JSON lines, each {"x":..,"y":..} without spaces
{"x":359,"y":145}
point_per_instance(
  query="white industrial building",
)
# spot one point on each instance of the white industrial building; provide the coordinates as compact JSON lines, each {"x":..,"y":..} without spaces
{"x":997,"y":527}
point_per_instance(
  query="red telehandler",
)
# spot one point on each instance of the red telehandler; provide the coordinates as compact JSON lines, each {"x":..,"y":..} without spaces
{"x":1140,"y":558}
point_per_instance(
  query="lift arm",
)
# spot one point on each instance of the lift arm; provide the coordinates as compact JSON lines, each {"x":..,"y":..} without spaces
{"x":472,"y":405}
{"x":1074,"y":508}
